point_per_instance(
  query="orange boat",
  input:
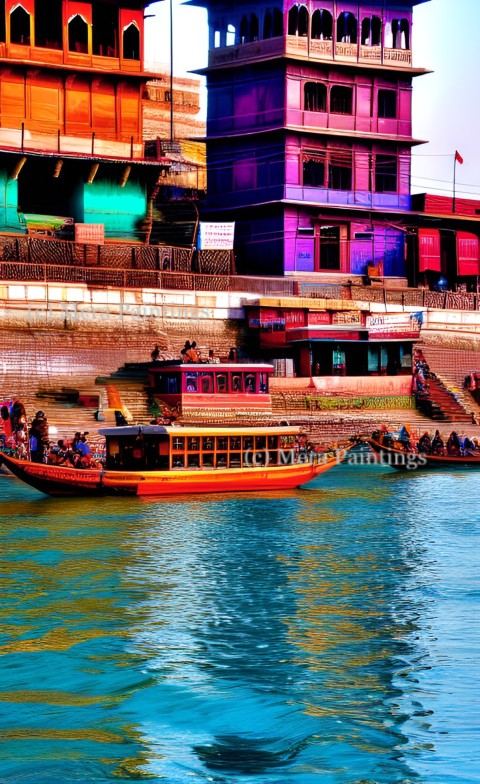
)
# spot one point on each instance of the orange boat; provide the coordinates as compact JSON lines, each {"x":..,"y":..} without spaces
{"x":156,"y":460}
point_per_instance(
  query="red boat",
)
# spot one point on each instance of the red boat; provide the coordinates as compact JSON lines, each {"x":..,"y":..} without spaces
{"x":408,"y":461}
{"x":156,"y":460}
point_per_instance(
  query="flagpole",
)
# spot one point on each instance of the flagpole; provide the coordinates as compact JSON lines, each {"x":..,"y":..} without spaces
{"x":454,"y":179}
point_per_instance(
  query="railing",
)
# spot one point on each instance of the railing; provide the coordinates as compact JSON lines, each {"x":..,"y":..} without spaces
{"x":196,"y":282}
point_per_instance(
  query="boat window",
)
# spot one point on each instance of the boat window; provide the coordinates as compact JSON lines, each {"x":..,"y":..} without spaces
{"x":263,"y":383}
{"x":249,"y":382}
{"x":260,"y":442}
{"x":235,"y":460}
{"x":192,"y":380}
{"x":272,"y":458}
{"x":236,"y":382}
{"x":156,"y":452}
{"x":222,"y":383}
{"x":207,"y":443}
{"x":273,"y":442}
{"x":222,"y":444}
{"x":193,"y":444}
{"x":178,"y":443}
{"x":167,"y":383}
{"x":235,"y":442}
{"x":287,"y":441}
{"x":206,"y":383}
{"x":248,"y":442}
{"x":178,"y":461}
{"x":193,"y":461}
{"x":208,"y":461}
{"x":221,"y":461}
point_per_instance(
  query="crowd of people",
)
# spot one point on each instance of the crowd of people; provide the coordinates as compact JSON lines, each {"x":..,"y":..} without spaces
{"x":456,"y":445}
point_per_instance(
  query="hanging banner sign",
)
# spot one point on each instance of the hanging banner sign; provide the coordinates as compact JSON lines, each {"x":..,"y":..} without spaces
{"x":216,"y":236}
{"x":395,"y":325}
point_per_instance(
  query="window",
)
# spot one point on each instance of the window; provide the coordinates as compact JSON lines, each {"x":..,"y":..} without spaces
{"x":314,"y":170}
{"x":315,"y":97}
{"x":231,"y":33}
{"x":244,"y":30}
{"x":387,"y":104}
{"x":78,"y":35}
{"x":386,"y":173}
{"x":48,"y":27}
{"x":20,"y":26}
{"x":217,"y":39}
{"x":131,"y":42}
{"x":340,"y":170}
{"x":277,"y":23}
{"x":371,"y":31}
{"x":400,"y":35}
{"x":105,"y":29}
{"x":191,"y":382}
{"x":322,"y":25}
{"x":268,"y":25}
{"x":341,"y":99}
{"x":298,"y":20}
{"x":330,"y":247}
{"x":347,"y":28}
{"x":254,"y":29}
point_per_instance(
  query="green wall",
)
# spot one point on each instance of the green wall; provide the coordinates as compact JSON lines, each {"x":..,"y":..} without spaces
{"x":8,"y":204}
{"x":118,"y":208}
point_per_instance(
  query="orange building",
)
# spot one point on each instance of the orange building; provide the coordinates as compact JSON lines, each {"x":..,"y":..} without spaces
{"x":71,"y":141}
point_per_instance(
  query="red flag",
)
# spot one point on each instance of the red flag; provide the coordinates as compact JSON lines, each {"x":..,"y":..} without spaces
{"x":458,"y":157}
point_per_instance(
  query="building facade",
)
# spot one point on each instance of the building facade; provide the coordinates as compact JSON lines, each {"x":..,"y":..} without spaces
{"x":309,"y":133}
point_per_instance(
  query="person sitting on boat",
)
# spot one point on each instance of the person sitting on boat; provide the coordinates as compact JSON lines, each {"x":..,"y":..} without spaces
{"x":438,"y":445}
{"x":425,"y":443}
{"x":404,"y":437}
{"x":454,"y":448}
{"x":468,"y":445}
{"x":82,"y":447}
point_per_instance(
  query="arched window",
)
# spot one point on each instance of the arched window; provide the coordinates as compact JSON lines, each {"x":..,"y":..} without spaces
{"x":293,"y":20}
{"x":244,"y":30}
{"x":400,"y":34}
{"x":347,"y":28}
{"x":303,"y":21}
{"x":268,"y":25}
{"x":48,"y":27}
{"x":315,"y":97}
{"x":322,"y":25}
{"x":277,"y":22}
{"x":230,"y":37}
{"x":78,"y":35}
{"x":254,"y":28}
{"x":131,"y":42}
{"x":371,"y":31}
{"x":19,"y":26}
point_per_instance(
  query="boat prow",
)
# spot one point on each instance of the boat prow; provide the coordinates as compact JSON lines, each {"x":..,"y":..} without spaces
{"x":56,"y":480}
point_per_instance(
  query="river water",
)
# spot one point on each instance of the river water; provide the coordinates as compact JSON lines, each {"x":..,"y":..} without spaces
{"x":326,"y":635}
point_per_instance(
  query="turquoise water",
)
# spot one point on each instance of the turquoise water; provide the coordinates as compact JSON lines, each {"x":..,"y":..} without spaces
{"x":329,"y":634}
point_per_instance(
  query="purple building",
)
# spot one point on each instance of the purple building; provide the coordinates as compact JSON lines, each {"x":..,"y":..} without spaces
{"x":309,"y":133}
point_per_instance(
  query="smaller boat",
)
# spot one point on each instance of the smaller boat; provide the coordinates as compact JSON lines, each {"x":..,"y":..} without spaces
{"x":158,"y":460}
{"x":412,"y":461}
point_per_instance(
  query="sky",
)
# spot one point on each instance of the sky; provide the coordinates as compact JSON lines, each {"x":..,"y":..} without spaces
{"x":446,"y":103}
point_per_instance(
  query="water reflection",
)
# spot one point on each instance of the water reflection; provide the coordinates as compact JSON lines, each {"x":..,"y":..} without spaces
{"x":270,"y":639}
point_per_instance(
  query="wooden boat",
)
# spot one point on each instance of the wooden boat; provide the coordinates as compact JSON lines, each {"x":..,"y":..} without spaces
{"x":157,"y":460}
{"x":414,"y":460}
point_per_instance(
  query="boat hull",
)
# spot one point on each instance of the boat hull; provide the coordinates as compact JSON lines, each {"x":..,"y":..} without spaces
{"x":61,"y":481}
{"x":411,"y":461}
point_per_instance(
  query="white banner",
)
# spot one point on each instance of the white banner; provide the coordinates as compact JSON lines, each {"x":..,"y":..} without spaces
{"x":216,"y":236}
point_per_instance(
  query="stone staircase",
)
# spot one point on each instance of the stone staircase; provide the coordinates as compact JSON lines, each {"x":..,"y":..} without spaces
{"x":451,"y":366}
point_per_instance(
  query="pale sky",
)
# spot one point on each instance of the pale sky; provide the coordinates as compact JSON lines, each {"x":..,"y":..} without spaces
{"x":446,"y":103}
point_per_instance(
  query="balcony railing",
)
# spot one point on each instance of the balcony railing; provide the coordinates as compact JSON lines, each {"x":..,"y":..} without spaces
{"x":314,"y":49}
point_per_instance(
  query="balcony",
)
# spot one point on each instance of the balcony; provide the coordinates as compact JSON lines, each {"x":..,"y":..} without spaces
{"x":311,"y":49}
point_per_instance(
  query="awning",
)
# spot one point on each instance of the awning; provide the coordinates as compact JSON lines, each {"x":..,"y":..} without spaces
{"x":468,"y":253}
{"x":429,"y":250}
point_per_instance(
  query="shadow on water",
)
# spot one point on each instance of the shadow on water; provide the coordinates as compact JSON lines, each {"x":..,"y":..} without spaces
{"x":236,"y":754}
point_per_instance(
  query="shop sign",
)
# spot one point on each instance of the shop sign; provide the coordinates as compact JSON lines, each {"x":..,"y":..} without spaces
{"x":394,"y":325}
{"x":90,"y":233}
{"x":216,"y":236}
